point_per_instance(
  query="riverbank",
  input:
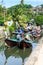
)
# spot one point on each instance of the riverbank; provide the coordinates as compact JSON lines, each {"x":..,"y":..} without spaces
{"x":36,"y":57}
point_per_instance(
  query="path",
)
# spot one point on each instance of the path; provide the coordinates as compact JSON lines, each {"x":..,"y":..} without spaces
{"x":36,"y":57}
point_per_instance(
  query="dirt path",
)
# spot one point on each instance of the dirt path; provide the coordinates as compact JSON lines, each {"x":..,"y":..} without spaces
{"x":36,"y":57}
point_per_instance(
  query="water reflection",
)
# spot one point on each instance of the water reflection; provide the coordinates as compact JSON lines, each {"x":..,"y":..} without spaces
{"x":14,"y":61}
{"x":16,"y":56}
{"x":13,"y":56}
{"x":34,"y":45}
{"x":2,"y":58}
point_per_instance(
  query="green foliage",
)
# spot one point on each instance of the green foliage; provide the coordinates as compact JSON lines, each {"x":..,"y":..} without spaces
{"x":11,"y":28}
{"x":42,"y":5}
{"x":4,"y":15}
{"x":1,"y":19}
{"x":20,"y":13}
{"x":0,"y":8}
{"x":39,"y":19}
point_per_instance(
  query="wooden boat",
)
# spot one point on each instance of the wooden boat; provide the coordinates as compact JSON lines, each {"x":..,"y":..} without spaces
{"x":21,"y":43}
{"x":25,"y":44}
{"x":11,"y":42}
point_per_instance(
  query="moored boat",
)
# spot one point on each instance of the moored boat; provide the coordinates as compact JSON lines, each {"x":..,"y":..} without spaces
{"x":11,"y":42}
{"x":25,"y":44}
{"x":20,"y":43}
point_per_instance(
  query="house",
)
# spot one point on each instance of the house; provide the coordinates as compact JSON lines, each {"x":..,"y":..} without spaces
{"x":37,"y":10}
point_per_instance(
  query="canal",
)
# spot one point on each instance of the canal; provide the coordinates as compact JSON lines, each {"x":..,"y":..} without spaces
{"x":14,"y":55}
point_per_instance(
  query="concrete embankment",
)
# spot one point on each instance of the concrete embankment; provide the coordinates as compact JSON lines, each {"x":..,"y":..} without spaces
{"x":2,"y":36}
{"x":36,"y":57}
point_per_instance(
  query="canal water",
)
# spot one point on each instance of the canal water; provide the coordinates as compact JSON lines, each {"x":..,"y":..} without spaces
{"x":14,"y":55}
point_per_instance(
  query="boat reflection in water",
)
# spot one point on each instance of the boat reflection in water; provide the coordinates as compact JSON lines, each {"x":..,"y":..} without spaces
{"x":16,"y":56}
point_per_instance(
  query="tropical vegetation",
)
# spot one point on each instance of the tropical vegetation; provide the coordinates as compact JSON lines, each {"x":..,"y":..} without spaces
{"x":21,"y":13}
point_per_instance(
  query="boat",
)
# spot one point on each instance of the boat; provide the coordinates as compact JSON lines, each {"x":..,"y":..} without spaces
{"x":20,"y":43}
{"x":11,"y":42}
{"x":25,"y":44}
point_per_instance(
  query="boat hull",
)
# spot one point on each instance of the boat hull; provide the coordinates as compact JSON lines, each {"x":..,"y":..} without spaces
{"x":24,"y":44}
{"x":20,"y":44}
{"x":10,"y":43}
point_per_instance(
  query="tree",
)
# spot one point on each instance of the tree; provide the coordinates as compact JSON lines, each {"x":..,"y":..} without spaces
{"x":39,"y":19}
{"x":42,"y":5}
{"x":0,"y":8}
{"x":22,"y":2}
{"x":20,"y":13}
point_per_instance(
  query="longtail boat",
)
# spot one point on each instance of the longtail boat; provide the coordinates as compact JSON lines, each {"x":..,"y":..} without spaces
{"x":20,"y":43}
{"x":25,"y":44}
{"x":11,"y":42}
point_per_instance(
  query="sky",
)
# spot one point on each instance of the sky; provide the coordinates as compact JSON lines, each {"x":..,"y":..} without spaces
{"x":9,"y":3}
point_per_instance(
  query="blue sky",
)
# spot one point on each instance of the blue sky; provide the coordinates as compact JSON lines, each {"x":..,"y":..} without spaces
{"x":9,"y":3}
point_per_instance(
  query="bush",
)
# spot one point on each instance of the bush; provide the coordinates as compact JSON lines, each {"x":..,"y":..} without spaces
{"x":39,"y":19}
